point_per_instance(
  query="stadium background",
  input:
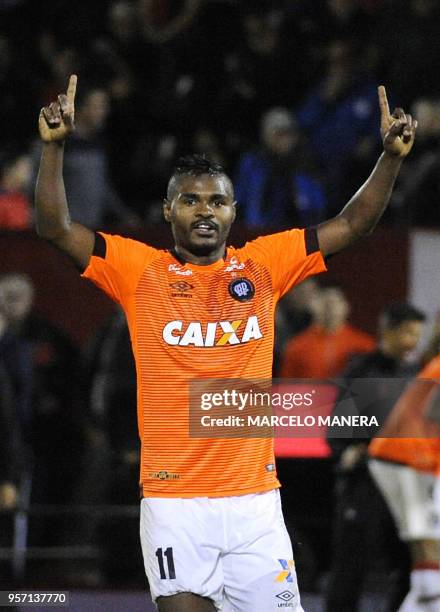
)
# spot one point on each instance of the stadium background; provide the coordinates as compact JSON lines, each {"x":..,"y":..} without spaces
{"x":198,"y":76}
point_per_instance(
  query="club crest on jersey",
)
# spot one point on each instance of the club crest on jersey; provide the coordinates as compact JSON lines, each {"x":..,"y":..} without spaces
{"x":219,"y":333}
{"x":241,"y":289}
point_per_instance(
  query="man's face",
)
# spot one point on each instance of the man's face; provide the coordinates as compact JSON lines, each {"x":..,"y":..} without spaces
{"x":95,"y":109}
{"x":16,"y":298}
{"x":280,"y":142}
{"x":404,"y":338}
{"x":334,"y":307}
{"x":201,"y":211}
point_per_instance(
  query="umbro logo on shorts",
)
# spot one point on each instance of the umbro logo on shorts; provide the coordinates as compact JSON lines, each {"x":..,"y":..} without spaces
{"x":285,"y":595}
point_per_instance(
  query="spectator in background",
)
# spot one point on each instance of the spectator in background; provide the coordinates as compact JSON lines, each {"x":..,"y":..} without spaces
{"x":9,"y":457}
{"x":9,"y":460}
{"x":373,"y":383}
{"x":16,"y":84}
{"x":53,"y":425}
{"x":93,"y":199}
{"x":418,"y":193}
{"x":120,"y":41}
{"x":15,"y":415}
{"x":115,"y":394}
{"x":323,"y":349}
{"x":170,"y":35}
{"x":407,"y":35}
{"x":160,"y":20}
{"x":340,"y":116}
{"x":15,"y":205}
{"x":294,"y":315}
{"x":311,"y":26}
{"x":251,"y":83}
{"x":16,"y":359}
{"x":110,"y":461}
{"x":12,"y":387}
{"x":56,"y":60}
{"x":276,"y":185}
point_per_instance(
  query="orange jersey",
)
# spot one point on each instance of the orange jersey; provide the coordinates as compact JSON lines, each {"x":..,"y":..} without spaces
{"x":411,"y":438}
{"x":317,"y":353}
{"x":190,"y":322}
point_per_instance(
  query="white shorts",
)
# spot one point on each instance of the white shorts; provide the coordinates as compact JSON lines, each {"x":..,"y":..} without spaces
{"x":233,"y":550}
{"x":413,"y":498}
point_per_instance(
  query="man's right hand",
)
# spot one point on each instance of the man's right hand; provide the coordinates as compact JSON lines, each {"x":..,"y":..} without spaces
{"x":56,"y":121}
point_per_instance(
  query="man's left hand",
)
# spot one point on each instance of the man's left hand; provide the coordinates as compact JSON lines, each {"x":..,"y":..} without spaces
{"x":397,"y":130}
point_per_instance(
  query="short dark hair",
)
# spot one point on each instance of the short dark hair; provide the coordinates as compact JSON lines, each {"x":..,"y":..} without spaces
{"x":397,"y":313}
{"x":193,"y":165}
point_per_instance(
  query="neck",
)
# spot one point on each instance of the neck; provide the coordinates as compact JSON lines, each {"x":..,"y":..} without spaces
{"x":8,"y":185}
{"x":389,"y":351}
{"x":331,"y":327}
{"x":199,"y":260}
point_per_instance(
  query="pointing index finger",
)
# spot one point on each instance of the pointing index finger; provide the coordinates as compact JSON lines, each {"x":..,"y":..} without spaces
{"x":383,"y":102}
{"x":71,"y":89}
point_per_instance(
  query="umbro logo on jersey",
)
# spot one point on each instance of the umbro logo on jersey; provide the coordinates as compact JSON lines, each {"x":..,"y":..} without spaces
{"x":181,"y":286}
{"x":219,"y":333}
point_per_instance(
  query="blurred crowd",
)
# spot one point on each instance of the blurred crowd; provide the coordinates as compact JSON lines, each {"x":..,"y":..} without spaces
{"x":282,"y":92}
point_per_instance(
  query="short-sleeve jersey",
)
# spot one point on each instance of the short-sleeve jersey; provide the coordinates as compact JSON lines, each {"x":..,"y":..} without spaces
{"x":190,"y":322}
{"x":408,"y":437}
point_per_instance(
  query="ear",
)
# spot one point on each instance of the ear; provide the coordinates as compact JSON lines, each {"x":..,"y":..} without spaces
{"x":234,"y":205}
{"x":167,"y":210}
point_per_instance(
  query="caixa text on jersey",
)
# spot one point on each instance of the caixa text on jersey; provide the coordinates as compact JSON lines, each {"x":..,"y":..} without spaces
{"x":218,"y":333}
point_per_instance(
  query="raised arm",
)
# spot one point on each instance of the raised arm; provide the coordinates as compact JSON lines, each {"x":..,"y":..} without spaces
{"x":360,"y":216}
{"x":53,"y":222}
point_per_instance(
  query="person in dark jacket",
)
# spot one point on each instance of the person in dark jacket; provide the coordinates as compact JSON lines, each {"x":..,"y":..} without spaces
{"x":15,"y":456}
{"x":49,"y":408}
{"x":277,"y":185}
{"x":364,"y":534}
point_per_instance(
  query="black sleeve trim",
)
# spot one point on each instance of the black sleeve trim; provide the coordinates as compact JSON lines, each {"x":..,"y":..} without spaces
{"x":311,"y":239}
{"x":100,"y":248}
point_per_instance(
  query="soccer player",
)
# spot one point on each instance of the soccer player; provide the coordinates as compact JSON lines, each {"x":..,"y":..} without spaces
{"x":212,"y":531}
{"x":405,"y":464}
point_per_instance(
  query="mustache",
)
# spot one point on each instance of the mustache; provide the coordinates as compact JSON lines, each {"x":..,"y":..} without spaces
{"x":208,"y":222}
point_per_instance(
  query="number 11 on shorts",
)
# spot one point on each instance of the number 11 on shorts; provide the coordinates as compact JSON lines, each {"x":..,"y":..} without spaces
{"x":170,"y":563}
